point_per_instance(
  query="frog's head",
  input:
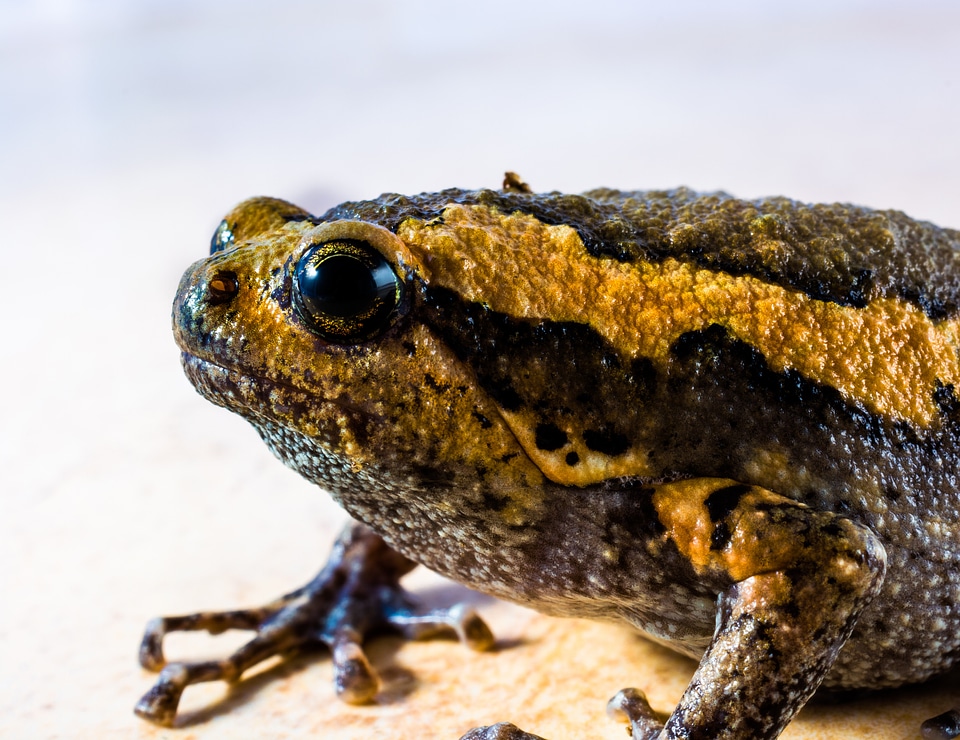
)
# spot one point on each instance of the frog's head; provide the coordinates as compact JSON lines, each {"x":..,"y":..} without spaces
{"x":311,"y":330}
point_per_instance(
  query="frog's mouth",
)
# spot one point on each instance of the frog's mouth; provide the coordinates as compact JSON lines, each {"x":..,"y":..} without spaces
{"x":258,"y":398}
{"x":231,"y":387}
{"x":219,"y":384}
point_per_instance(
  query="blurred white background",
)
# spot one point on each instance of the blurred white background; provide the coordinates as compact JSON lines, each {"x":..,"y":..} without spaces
{"x":128,"y":128}
{"x":823,"y":100}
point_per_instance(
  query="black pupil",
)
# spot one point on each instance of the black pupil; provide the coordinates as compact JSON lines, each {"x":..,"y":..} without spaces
{"x":342,"y":285}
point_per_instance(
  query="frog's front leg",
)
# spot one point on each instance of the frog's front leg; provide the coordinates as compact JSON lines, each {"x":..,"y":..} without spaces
{"x":796,"y":581}
{"x":791,"y":583}
{"x":356,"y":593}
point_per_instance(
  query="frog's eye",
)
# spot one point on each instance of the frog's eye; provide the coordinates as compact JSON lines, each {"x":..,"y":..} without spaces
{"x":345,"y":290}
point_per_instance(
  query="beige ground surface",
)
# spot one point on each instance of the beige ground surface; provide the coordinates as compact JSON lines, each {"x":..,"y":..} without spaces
{"x":127,"y":129}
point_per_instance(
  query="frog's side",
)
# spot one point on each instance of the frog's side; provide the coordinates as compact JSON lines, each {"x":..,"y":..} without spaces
{"x":732,"y":424}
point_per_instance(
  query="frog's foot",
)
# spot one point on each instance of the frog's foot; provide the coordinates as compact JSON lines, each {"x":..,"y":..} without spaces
{"x":499,"y":731}
{"x":629,"y":704}
{"x":357,"y":593}
{"x":944,"y":726}
{"x":632,"y":705}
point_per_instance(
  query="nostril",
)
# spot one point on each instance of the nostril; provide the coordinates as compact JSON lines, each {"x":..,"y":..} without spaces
{"x":222,"y":287}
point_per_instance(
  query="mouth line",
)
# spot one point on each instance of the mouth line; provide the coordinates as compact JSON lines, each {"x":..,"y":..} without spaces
{"x":237,"y":377}
{"x":235,"y":373}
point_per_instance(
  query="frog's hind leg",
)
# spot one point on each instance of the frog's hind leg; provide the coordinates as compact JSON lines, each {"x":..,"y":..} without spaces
{"x":356,"y":593}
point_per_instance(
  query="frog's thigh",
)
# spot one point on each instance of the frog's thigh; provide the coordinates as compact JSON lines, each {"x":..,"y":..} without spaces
{"x":792,"y":583}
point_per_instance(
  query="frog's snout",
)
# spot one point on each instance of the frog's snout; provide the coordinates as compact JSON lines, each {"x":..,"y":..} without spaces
{"x":202,"y":287}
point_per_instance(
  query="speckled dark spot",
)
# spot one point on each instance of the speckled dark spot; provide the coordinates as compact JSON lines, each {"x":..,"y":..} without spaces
{"x":724,"y":500}
{"x":549,"y":437}
{"x":485,"y":423}
{"x":494,"y":502}
{"x":432,"y":382}
{"x":606,"y":441}
{"x":832,"y":530}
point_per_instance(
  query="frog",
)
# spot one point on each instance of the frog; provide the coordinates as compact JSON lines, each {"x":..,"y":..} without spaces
{"x":730,"y":424}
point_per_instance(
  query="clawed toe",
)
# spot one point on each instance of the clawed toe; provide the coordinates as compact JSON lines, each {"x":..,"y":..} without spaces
{"x":632,"y":705}
{"x":159,"y":704}
{"x":355,"y":680}
{"x":944,"y":726}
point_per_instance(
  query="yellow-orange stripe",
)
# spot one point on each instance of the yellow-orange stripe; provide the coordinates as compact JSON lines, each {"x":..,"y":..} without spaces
{"x":886,"y":356}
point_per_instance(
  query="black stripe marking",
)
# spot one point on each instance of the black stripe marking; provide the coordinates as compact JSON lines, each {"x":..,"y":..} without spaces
{"x":707,"y":417}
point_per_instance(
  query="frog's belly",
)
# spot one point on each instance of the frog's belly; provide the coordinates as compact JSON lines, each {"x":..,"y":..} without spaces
{"x":910,"y":632}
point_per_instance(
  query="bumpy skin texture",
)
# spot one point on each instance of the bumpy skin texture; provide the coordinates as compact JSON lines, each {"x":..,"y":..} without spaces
{"x":732,"y":424}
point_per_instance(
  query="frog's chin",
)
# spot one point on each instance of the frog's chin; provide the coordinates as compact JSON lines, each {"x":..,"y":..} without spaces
{"x":290,"y":419}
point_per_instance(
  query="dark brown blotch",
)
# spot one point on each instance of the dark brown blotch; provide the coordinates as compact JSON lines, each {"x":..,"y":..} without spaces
{"x":636,"y":513}
{"x":721,"y":502}
{"x":506,"y":395}
{"x":606,"y":441}
{"x":720,"y":537}
{"x":549,"y":437}
{"x":494,"y":502}
{"x":485,"y":423}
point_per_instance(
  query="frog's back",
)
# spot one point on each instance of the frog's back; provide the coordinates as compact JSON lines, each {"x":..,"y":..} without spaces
{"x":836,"y":252}
{"x":826,"y":370}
